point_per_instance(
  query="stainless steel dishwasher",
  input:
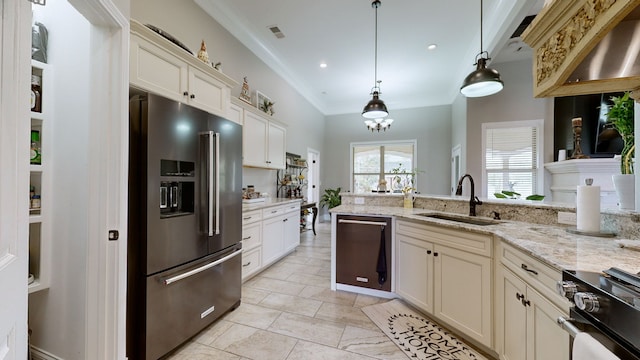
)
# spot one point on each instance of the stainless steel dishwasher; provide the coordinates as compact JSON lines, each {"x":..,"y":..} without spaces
{"x":363,"y":251}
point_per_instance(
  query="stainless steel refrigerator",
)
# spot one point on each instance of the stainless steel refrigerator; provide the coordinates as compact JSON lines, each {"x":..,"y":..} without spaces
{"x":184,"y":222}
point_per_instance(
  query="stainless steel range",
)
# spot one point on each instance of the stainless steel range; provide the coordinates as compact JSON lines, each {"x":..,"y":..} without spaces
{"x":607,"y":306}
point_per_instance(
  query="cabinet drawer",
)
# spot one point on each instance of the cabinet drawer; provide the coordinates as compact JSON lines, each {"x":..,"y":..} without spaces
{"x":252,"y":216}
{"x":273,"y":212}
{"x":251,"y":262}
{"x":472,"y":242}
{"x":295,"y":207}
{"x":251,"y":236}
{"x":538,"y":275}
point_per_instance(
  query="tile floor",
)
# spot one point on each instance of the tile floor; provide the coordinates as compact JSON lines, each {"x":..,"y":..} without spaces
{"x":289,"y":312}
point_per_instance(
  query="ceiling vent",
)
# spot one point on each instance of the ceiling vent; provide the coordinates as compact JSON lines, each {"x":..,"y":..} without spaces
{"x":523,"y":25}
{"x":276,"y":31}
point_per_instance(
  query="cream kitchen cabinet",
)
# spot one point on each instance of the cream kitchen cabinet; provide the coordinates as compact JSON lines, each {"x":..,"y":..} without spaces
{"x":414,"y":273}
{"x":268,"y":234}
{"x":527,"y":308}
{"x":448,"y":274}
{"x":235,"y":113}
{"x":264,"y":142}
{"x":280,"y":231}
{"x":159,"y":66}
{"x":251,"y":243}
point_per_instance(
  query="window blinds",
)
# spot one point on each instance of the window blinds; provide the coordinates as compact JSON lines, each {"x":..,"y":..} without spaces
{"x":511,"y":159}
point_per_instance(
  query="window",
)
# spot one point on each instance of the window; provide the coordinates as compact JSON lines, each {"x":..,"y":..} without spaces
{"x":372,"y":162}
{"x":512,"y":157}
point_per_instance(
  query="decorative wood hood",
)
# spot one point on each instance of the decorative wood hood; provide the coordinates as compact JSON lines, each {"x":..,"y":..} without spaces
{"x":585,"y":47}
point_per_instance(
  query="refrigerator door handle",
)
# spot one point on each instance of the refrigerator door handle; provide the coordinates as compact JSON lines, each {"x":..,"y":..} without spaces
{"x":200,"y":269}
{"x":217,"y":183}
{"x":213,"y":183}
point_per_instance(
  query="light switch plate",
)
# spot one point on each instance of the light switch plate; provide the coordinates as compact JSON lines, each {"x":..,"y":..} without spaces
{"x":567,"y":218}
{"x":358,"y":201}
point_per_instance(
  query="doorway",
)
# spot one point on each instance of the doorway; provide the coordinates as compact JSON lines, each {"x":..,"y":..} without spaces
{"x":456,"y":152}
{"x":313,"y":188}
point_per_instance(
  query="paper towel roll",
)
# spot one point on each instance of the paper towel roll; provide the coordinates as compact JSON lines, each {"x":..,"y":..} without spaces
{"x":588,"y":208}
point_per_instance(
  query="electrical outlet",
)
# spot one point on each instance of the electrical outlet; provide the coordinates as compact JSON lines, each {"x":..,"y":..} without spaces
{"x":358,"y":201}
{"x":567,"y":218}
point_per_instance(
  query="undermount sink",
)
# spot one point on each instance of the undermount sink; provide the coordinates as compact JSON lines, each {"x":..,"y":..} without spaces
{"x":466,"y":220}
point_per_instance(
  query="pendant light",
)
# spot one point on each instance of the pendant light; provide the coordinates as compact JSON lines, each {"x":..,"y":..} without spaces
{"x":375,"y":109}
{"x":483,"y":81}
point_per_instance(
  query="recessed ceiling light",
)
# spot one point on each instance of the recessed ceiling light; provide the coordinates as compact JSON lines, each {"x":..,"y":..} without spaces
{"x":323,"y":65}
{"x":432,"y":46}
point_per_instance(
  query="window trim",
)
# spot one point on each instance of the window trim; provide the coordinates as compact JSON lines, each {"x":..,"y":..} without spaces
{"x":413,"y":142}
{"x":539,"y":124}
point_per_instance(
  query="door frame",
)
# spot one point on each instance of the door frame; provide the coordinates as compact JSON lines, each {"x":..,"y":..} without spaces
{"x":108,"y":180}
{"x":14,"y":161}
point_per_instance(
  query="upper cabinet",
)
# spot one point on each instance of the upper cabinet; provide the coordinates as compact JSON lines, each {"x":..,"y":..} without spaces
{"x":585,"y":47}
{"x":263,"y":138}
{"x":158,"y":65}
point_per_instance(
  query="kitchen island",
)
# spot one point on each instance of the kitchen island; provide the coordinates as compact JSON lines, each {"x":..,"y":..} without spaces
{"x":491,"y":281}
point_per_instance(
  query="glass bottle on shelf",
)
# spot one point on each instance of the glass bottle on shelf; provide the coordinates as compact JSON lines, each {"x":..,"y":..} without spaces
{"x":36,"y":93}
{"x":36,"y":158}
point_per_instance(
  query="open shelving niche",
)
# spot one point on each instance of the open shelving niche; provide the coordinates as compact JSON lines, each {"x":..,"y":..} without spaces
{"x":292,"y":181}
{"x":40,"y":175}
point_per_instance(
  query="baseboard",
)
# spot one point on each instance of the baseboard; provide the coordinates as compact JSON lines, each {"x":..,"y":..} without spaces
{"x":39,"y":354}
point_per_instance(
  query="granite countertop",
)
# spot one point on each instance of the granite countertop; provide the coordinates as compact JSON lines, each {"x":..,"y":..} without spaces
{"x":269,"y":202}
{"x":551,"y":244}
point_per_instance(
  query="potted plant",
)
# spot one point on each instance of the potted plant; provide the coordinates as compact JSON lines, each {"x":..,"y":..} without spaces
{"x":330,"y":198}
{"x":621,"y":116}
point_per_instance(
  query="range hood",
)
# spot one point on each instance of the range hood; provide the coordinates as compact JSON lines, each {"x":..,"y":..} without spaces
{"x":585,"y":47}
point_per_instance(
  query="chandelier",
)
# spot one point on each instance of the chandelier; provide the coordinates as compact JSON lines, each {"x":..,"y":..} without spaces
{"x":378,"y":124}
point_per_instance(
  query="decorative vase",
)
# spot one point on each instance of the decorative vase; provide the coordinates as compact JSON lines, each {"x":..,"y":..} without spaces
{"x":625,"y":185}
{"x":408,"y":200}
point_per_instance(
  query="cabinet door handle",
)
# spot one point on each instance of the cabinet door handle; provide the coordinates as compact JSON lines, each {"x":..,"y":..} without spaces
{"x":193,"y":96}
{"x":285,"y":220}
{"x":526,"y":302}
{"x":247,"y":264}
{"x":247,"y":218}
{"x":247,"y":238}
{"x":428,"y":252}
{"x":526,"y":268}
{"x":185,"y":93}
{"x":435,"y":254}
{"x":520,"y":296}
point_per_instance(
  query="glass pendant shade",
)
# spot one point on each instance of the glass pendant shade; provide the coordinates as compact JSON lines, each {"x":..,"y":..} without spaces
{"x":375,"y":108}
{"x":482,"y":82}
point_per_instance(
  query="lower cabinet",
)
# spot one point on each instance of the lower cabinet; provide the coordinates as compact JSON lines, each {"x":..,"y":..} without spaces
{"x":462,"y":292}
{"x":268,"y":235}
{"x":527,"y":308}
{"x":527,"y":323}
{"x":414,"y":274}
{"x":452,"y":282}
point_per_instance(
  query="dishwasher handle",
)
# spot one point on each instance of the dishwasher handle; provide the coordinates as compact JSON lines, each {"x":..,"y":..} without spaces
{"x":360,"y":222}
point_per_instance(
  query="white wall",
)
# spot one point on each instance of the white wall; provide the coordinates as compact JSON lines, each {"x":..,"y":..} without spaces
{"x":57,"y":316}
{"x":515,"y":102}
{"x":190,"y":24}
{"x":431,"y":126}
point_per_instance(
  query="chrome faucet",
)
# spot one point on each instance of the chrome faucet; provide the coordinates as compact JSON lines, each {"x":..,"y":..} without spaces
{"x":473,"y":201}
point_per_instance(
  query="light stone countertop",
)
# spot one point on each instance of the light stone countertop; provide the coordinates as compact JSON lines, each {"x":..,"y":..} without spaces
{"x":269,"y":202}
{"x":551,"y":244}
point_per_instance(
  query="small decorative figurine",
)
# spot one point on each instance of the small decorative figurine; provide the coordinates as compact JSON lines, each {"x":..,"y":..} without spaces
{"x":217,"y":66}
{"x":244,"y":93}
{"x":576,"y":123}
{"x":202,"y":53}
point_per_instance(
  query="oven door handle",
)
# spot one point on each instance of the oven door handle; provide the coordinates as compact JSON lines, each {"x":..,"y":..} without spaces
{"x":568,"y":326}
{"x":200,"y":269}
